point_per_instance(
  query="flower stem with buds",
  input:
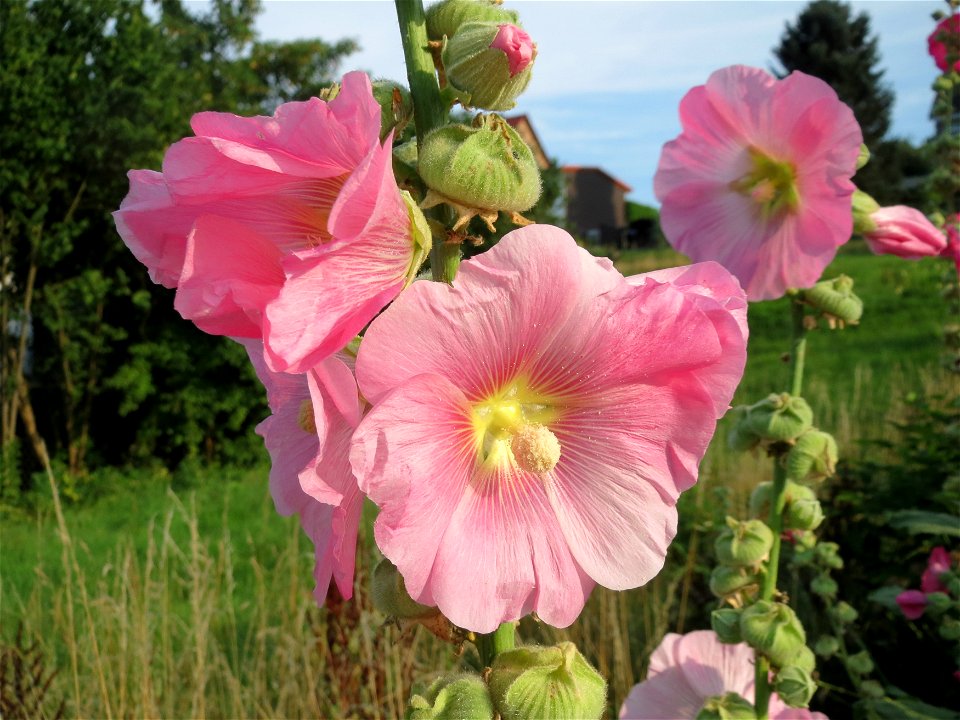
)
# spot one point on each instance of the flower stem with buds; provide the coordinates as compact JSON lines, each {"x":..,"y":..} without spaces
{"x":798,"y":348}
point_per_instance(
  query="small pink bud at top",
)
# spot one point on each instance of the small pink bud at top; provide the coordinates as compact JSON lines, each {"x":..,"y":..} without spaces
{"x":904,"y":232}
{"x":912,"y":603}
{"x":937,"y":564}
{"x":516,"y":45}
{"x":944,"y":44}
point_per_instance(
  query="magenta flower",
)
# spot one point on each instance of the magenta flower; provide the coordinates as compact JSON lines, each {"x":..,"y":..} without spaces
{"x":944,"y":44}
{"x":912,"y":603}
{"x":759,"y":179}
{"x":937,"y":564}
{"x":308,"y":437}
{"x":904,"y":232}
{"x":686,"y":670}
{"x":290,"y":229}
{"x":951,"y":229}
{"x":517,"y":45}
{"x":534,"y":424}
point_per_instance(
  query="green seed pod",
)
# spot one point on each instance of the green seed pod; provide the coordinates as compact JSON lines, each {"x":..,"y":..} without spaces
{"x":805,"y":660}
{"x":396,"y":107}
{"x":803,"y":514}
{"x":483,"y":167}
{"x":860,"y":664}
{"x":813,"y":458}
{"x":743,"y":543}
{"x":779,"y":418}
{"x":727,"y":707}
{"x":828,"y":555}
{"x":452,"y":697}
{"x":726,"y":580}
{"x":824,"y":586}
{"x":760,"y":500}
{"x":446,"y":17}
{"x":390,"y":594}
{"x":827,"y":646}
{"x":844,"y":613}
{"x":938,"y":603}
{"x":546,"y":682}
{"x":405,"y":162}
{"x":489,"y":64}
{"x":836,"y":299}
{"x":726,"y":624}
{"x":795,"y":686}
{"x":773,"y":629}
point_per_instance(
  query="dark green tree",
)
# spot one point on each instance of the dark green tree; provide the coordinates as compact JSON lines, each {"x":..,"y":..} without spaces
{"x":95,"y":363}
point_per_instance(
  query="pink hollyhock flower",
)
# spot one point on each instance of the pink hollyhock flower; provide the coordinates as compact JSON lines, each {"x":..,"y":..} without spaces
{"x":759,"y":179}
{"x":905,"y":232}
{"x":937,"y":564}
{"x":533,"y":439}
{"x":290,"y":229}
{"x":308,"y":437}
{"x":517,"y":45}
{"x":912,"y":603}
{"x":687,"y":670}
{"x":944,"y":41}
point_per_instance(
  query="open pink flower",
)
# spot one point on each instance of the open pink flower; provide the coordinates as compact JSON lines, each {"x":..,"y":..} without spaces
{"x":759,"y":179}
{"x":686,"y":670}
{"x":913,"y":603}
{"x":944,"y":41}
{"x":905,"y":232}
{"x":937,"y":564}
{"x":534,"y":424}
{"x":289,"y":228}
{"x":951,"y":229}
{"x":308,"y":437}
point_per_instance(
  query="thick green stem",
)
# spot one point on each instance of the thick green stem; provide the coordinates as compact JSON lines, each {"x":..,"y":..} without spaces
{"x":798,"y":348}
{"x":492,"y":644}
{"x":429,"y":111}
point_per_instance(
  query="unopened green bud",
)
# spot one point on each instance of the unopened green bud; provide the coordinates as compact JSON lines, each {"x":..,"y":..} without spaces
{"x":446,"y":17}
{"x":779,"y":418}
{"x":726,"y":624}
{"x":726,"y":580}
{"x":760,"y":500}
{"x":740,"y":438}
{"x":813,"y":458}
{"x":795,"y":686}
{"x":872,"y":689}
{"x":863,"y":207}
{"x":804,"y":659}
{"x":938,"y":602}
{"x":950,"y":629}
{"x":405,"y":161}
{"x":546,"y":682}
{"x":452,"y":697}
{"x":824,"y":586}
{"x":828,"y":555}
{"x":396,"y":107}
{"x":803,"y":513}
{"x":836,"y":299}
{"x":479,"y":170}
{"x":773,"y":629}
{"x":727,"y":707}
{"x":860,"y":664}
{"x":864,"y":157}
{"x":390,"y":594}
{"x":743,"y":543}
{"x":844,"y":613}
{"x":489,"y":64}
{"x":804,"y":540}
{"x":827,"y":646}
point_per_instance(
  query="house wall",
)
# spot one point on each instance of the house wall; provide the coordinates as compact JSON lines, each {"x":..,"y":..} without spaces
{"x":596,"y":206}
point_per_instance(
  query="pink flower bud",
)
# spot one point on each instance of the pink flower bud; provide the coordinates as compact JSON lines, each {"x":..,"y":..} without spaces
{"x":912,"y":603}
{"x":516,"y":45}
{"x":944,"y":43}
{"x":937,"y":564}
{"x":952,"y":250}
{"x":904,"y":232}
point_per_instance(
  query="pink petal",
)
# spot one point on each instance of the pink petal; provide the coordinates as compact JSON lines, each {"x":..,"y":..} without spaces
{"x":913,"y":603}
{"x":715,"y":668}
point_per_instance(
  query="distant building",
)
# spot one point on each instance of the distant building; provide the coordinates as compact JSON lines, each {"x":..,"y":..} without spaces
{"x":596,"y":205}
{"x":521,"y":123}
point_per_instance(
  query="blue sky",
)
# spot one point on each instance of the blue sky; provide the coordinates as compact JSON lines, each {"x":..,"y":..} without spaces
{"x":609,"y":75}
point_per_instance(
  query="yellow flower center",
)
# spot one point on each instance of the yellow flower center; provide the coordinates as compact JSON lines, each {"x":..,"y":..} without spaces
{"x":305,"y":418}
{"x":771,"y":184}
{"x":510,"y":427}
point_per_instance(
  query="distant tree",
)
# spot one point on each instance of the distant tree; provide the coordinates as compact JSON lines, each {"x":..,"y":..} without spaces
{"x":94,"y":362}
{"x":828,"y":41}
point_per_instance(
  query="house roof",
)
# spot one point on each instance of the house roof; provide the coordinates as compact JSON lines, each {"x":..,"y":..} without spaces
{"x":574,"y":169}
{"x":522,"y":124}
